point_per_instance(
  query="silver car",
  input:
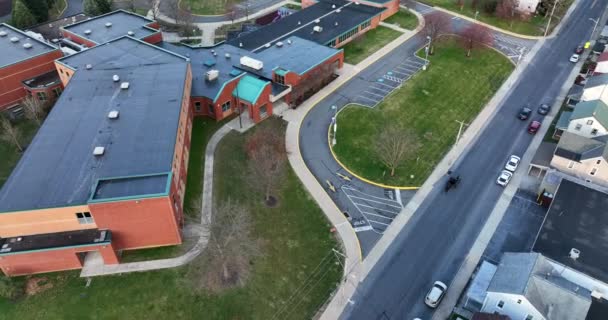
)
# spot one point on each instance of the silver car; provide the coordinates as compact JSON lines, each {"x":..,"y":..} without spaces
{"x":504,"y":178}
{"x":512,"y":163}
{"x":435,"y":295}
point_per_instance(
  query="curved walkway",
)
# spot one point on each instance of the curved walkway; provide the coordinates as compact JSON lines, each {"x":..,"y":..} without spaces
{"x":95,"y":269}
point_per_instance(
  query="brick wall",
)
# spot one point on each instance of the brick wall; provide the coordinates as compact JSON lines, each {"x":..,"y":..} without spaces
{"x":78,"y":39}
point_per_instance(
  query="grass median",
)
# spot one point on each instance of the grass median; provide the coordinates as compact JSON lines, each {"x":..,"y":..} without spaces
{"x":454,"y":88}
{"x":368,"y":43}
{"x":291,"y":278}
{"x":209,"y":7}
{"x":404,"y":19}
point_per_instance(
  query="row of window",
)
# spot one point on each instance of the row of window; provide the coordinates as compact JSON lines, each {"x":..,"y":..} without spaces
{"x":593,"y":170}
{"x":42,"y":95}
{"x":589,"y":122}
{"x":84,"y":217}
{"x":348,"y":34}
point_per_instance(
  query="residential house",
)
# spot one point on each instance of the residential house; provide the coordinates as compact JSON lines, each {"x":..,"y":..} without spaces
{"x":596,"y":88}
{"x":602,"y":64}
{"x":582,"y":157}
{"x":589,"y":119}
{"x":527,"y":6}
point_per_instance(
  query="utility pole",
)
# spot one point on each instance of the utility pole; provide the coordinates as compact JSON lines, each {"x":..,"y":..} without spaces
{"x":595,"y":21}
{"x":462,"y":124}
{"x":550,"y":17}
{"x":334,"y":120}
{"x":426,"y":50}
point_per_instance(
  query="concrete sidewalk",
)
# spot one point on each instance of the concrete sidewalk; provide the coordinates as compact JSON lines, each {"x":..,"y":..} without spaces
{"x":96,"y":269}
{"x":350,"y":242}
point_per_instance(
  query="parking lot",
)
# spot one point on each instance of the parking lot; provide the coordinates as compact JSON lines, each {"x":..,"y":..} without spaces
{"x":388,"y":81}
{"x":377,"y":211}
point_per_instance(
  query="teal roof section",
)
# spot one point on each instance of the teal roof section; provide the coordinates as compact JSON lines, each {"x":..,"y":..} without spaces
{"x":235,"y":72}
{"x":594,"y":108}
{"x":564,"y":120}
{"x":281,"y":72}
{"x":131,"y":187}
{"x":249,"y":89}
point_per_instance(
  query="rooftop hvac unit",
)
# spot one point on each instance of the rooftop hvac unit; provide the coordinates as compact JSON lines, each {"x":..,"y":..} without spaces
{"x":288,"y":41}
{"x":240,"y":44}
{"x":14,"y":39}
{"x":27,"y":45}
{"x":317,"y":28}
{"x":87,"y":31}
{"x":113,"y":114}
{"x":108,"y":24}
{"x":336,"y":23}
{"x":267,"y":45}
{"x":333,"y":6}
{"x":88,"y":66}
{"x":98,"y":151}
{"x":318,"y":21}
{"x":574,"y":253}
{"x":3,"y":33}
{"x":124,"y":85}
{"x":131,"y":33}
{"x":227,"y":55}
{"x":252,"y":63}
{"x":115,"y":78}
{"x":299,"y":22}
{"x":279,"y":44}
{"x":212,"y":75}
{"x":215,"y":54}
{"x":339,"y":10}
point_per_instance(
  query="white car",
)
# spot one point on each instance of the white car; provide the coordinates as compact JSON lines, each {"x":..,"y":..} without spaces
{"x":512,"y":163}
{"x":435,"y":295}
{"x":574,"y":58}
{"x":504,"y":178}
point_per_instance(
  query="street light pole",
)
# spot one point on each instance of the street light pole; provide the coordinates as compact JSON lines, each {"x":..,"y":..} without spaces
{"x":550,"y":17}
{"x":426,"y":50}
{"x":476,"y":13}
{"x":335,"y":123}
{"x":595,"y":21}
{"x":462,"y":124}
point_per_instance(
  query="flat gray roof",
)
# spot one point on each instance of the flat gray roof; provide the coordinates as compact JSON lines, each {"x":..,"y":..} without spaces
{"x":577,"y":219}
{"x":122,"y":22}
{"x":14,"y":52}
{"x":59,"y":168}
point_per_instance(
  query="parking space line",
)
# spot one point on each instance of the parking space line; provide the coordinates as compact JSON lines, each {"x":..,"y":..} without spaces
{"x":390,"y":205}
{"x":382,"y":89}
{"x":368,"y":195}
{"x":364,"y":205}
{"x":376,"y":94}
{"x":376,"y":215}
{"x":378,"y":222}
{"x":367,"y":98}
{"x":384,"y":84}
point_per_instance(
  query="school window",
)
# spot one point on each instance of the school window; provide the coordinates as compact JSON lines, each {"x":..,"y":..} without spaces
{"x":211,"y":109}
{"x":589,"y":122}
{"x":197,"y":106}
{"x":41,"y":96}
{"x":263,"y":111}
{"x":594,"y":131}
{"x":226,"y":106}
{"x":57,"y":92}
{"x":500,"y":304}
{"x":348,"y":34}
{"x":84,"y":217}
{"x":332,"y":43}
{"x":593,"y":171}
{"x":598,"y":162}
{"x":279,"y":78}
{"x":61,"y":71}
{"x":518,"y":301}
{"x":366,"y":24}
{"x":578,"y":126}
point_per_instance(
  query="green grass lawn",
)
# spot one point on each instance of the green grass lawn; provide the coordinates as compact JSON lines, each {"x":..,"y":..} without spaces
{"x":370,"y":42}
{"x":535,"y":26}
{"x":453,"y":88}
{"x":294,"y":239}
{"x":209,"y":7}
{"x":404,"y":19}
{"x":9,"y":153}
{"x":293,"y":6}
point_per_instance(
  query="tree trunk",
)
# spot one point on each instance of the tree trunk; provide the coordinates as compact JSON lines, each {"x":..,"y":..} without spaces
{"x":225,"y":272}
{"x":392,"y":171}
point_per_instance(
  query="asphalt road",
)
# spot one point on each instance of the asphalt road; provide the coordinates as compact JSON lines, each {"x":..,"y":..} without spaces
{"x":371,"y":218}
{"x":434,"y":243}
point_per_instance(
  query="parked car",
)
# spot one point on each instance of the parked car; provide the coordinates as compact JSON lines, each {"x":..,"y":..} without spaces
{"x":524,"y":113}
{"x":533,"y":127}
{"x":512,"y":163}
{"x":544,"y":109}
{"x":574,"y":58}
{"x":504,"y":178}
{"x":579,"y":50}
{"x":435,"y":295}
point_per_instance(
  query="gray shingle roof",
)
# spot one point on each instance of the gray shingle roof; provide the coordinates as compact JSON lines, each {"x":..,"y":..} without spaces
{"x":14,"y":52}
{"x":593,"y":108}
{"x":598,"y":80}
{"x":59,"y":169}
{"x":576,"y":147}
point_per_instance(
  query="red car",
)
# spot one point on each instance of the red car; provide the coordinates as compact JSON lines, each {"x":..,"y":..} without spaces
{"x":579,"y":50}
{"x":533,"y":127}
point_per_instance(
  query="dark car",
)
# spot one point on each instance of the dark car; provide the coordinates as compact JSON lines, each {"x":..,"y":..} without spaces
{"x":524,"y":113}
{"x":544,"y":109}
{"x":533,"y":127}
{"x":579,"y":50}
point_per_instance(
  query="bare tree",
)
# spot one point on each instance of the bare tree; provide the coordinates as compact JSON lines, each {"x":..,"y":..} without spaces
{"x":436,"y":25}
{"x":232,"y":10}
{"x":267,"y":159}
{"x":34,"y":109}
{"x":506,"y":9}
{"x":231,"y":246}
{"x":395,"y":145}
{"x":10,"y":133}
{"x":154,"y":8}
{"x":475,"y":36}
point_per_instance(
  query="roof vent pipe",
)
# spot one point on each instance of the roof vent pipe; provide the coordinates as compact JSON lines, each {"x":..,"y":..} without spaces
{"x":227,"y":55}
{"x":3,"y":33}
{"x":98,"y":151}
{"x":27,"y":45}
{"x":115,"y":78}
{"x":14,"y":39}
{"x":131,"y":33}
{"x":108,"y":24}
{"x":333,"y":6}
{"x":87,"y":31}
{"x":88,"y":66}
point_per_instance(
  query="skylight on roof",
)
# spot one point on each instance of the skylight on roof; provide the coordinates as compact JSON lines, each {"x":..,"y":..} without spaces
{"x":209,"y":63}
{"x":235,"y":72}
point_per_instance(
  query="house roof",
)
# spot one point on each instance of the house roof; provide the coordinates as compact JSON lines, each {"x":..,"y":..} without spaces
{"x":576,"y":92}
{"x":576,"y":147}
{"x":122,"y":22}
{"x":597,"y":80}
{"x":249,"y":88}
{"x":564,"y":120}
{"x":544,"y":153}
{"x":593,"y":108}
{"x":480,"y":283}
{"x":599,"y":47}
{"x":296,"y":55}
{"x":602,"y":57}
{"x":59,"y":169}
{"x":15,"y":52}
{"x":577,"y":219}
{"x":301,"y":23}
{"x":532,"y":276}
